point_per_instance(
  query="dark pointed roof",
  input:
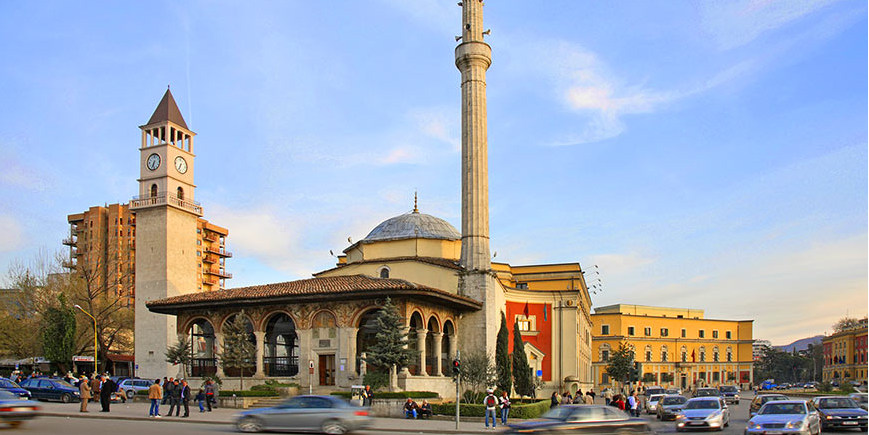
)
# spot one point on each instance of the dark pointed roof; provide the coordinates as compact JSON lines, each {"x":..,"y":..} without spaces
{"x":167,"y":110}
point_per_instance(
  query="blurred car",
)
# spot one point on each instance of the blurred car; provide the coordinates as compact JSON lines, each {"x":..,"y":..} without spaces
{"x":652,"y":403}
{"x":129,"y":387}
{"x":582,"y":418}
{"x":707,"y":392}
{"x":703,"y":413}
{"x":50,"y":389}
{"x":730,"y":393}
{"x":651,"y":391}
{"x":860,"y":398}
{"x":792,"y":416}
{"x":838,"y":412}
{"x":670,"y":406}
{"x":327,"y":414}
{"x":760,"y":399}
{"x":676,"y":391}
{"x":12,"y":387}
{"x":14,"y":411}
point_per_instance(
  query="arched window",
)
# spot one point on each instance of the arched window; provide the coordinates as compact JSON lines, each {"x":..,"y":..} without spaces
{"x":729,"y":354}
{"x":684,"y":352}
{"x":153,"y":191}
{"x":365,"y":338}
{"x":702,"y":354}
{"x":202,"y":349}
{"x":384,"y":272}
{"x":715,"y":354}
{"x":180,"y":193}
{"x":648,"y":353}
{"x":605,"y":352}
{"x":664,"y":355}
{"x":281,"y":347}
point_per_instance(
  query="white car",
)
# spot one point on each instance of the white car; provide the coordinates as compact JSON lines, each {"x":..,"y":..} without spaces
{"x":652,"y":403}
{"x":703,"y":413}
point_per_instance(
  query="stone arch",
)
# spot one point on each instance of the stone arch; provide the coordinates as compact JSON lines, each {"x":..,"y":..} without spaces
{"x":366,"y":324}
{"x":232,"y":371}
{"x":261,"y":324}
{"x":448,"y":346}
{"x":433,"y":354}
{"x":416,"y":326}
{"x":280,"y":345}
{"x":203,"y":346}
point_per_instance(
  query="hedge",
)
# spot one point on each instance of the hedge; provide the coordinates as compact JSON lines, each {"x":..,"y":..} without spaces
{"x":246,"y":393}
{"x":396,"y":395}
{"x":532,"y":410}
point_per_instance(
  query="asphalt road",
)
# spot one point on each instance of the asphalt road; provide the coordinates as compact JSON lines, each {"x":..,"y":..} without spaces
{"x":738,"y":418}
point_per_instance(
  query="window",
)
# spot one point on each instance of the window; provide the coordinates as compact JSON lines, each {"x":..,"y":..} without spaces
{"x":153,"y":193}
{"x":605,"y":329}
{"x":647,"y":331}
{"x":714,"y":334}
{"x":702,"y":354}
{"x":727,"y":335}
{"x":664,"y":332}
{"x":684,"y":354}
{"x":663,"y":353}
{"x":524,"y":324}
{"x":701,"y":333}
{"x":384,"y":272}
{"x":630,"y":330}
{"x":605,"y":355}
{"x":684,"y":333}
{"x":522,"y":286}
{"x":729,"y":355}
{"x":180,"y":193}
{"x":715,"y":354}
{"x":648,"y":355}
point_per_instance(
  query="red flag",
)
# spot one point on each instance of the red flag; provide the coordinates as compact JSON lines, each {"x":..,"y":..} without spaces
{"x":693,"y":356}
{"x":525,"y":311}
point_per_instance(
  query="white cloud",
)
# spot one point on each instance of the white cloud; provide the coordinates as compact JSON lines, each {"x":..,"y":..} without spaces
{"x":11,"y":233}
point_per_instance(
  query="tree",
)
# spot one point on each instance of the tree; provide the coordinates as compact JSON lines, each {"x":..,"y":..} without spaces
{"x":522,"y":376}
{"x":390,"y":347}
{"x":58,"y":334}
{"x":845,"y":323}
{"x":502,"y":357}
{"x":478,"y":373}
{"x":179,"y":353}
{"x":620,"y":363}
{"x":238,"y":353}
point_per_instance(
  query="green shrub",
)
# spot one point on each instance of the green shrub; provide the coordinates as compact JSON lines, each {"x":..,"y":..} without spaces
{"x":532,"y":410}
{"x":825,"y":387}
{"x":396,"y":395}
{"x":275,"y":384}
{"x":254,"y":393}
{"x":846,"y":387}
{"x":377,"y":380}
{"x":265,"y":387}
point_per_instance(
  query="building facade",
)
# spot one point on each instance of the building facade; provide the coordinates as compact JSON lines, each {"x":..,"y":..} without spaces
{"x":845,"y":356}
{"x":675,"y":346}
{"x":758,"y":348}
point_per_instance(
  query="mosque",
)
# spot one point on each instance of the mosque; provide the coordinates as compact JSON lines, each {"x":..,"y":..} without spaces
{"x":315,"y":331}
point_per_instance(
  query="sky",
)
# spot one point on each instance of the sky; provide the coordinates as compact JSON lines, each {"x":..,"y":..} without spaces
{"x":708,"y":155}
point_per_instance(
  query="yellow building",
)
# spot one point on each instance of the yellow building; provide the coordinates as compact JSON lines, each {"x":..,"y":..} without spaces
{"x":845,"y":354}
{"x":675,"y":346}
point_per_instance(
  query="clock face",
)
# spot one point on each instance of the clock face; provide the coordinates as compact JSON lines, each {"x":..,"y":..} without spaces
{"x":153,"y":162}
{"x":181,"y":164}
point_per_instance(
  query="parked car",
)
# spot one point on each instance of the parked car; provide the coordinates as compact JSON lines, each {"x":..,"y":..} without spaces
{"x":703,"y":413}
{"x":860,"y":398}
{"x":128,"y":387}
{"x":582,"y":418}
{"x":791,"y":416}
{"x":760,"y":399}
{"x":670,"y":406}
{"x":676,"y":391}
{"x":652,"y":403}
{"x":50,"y":389}
{"x":12,"y":387}
{"x":730,"y":393}
{"x":650,"y":391}
{"x":707,"y":392}
{"x":14,"y":411}
{"x":326,"y":414}
{"x":839,"y":412}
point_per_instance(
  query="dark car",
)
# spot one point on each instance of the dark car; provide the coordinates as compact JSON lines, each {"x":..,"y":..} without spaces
{"x":14,"y":411}
{"x":760,"y":399}
{"x":327,"y":414}
{"x":12,"y":387}
{"x":50,"y":389}
{"x":707,"y":392}
{"x":730,"y":393}
{"x":669,"y":406}
{"x":582,"y":418}
{"x":838,"y":412}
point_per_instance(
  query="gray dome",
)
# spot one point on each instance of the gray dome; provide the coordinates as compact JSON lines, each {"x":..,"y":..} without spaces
{"x":413,"y":225}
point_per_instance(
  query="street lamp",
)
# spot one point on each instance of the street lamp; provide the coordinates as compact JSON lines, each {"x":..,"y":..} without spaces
{"x":95,"y":335}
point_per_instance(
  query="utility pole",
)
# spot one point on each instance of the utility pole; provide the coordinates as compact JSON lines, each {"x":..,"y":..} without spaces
{"x":457,"y":366}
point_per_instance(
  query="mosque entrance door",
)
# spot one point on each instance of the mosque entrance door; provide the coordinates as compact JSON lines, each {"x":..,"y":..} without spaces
{"x":327,"y":369}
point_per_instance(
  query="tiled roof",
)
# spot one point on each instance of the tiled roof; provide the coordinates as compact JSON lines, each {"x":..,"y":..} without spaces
{"x":323,"y":288}
{"x":167,"y":110}
{"x":443,"y":262}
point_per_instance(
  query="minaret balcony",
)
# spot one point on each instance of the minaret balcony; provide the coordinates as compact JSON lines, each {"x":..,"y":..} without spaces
{"x":140,"y":202}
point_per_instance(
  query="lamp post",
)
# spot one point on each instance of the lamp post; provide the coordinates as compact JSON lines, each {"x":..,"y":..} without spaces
{"x":95,"y":335}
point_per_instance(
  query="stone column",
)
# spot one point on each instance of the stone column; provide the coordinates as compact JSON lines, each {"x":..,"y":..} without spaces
{"x":218,"y":338}
{"x":420,"y":344}
{"x":351,"y":351}
{"x":438,"y":350}
{"x":260,"y":337}
{"x":451,"y":346}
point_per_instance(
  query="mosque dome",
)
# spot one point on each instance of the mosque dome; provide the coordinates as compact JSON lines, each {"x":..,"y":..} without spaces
{"x":414,"y":225}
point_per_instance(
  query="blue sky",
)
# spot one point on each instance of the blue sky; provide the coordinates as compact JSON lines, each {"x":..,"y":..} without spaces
{"x":703,"y":154}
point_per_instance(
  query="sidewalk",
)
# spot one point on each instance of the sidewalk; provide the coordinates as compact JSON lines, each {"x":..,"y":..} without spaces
{"x":226,"y":416}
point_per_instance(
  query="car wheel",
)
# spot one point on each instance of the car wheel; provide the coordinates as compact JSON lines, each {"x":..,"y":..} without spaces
{"x":249,"y":424}
{"x":65,"y":398}
{"x":130,"y":394}
{"x":334,"y":427}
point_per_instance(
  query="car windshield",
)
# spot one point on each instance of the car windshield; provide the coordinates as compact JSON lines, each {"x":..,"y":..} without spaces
{"x":838,"y":402}
{"x":674,"y":400}
{"x":558,"y":413}
{"x":653,"y":391}
{"x":655,"y":398}
{"x":702,"y":404}
{"x":729,"y":389}
{"x":782,"y":408}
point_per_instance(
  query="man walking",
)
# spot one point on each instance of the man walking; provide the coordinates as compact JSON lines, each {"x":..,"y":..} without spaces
{"x":84,"y":391}
{"x":185,"y":398}
{"x":608,"y":396}
{"x":634,"y":404}
{"x":167,"y":389}
{"x":106,"y":390}
{"x":155,"y":394}
{"x":174,"y":398}
{"x":209,"y":393}
{"x":491,"y":404}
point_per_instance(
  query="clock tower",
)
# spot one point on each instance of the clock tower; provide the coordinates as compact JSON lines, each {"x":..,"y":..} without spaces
{"x":166,"y":222}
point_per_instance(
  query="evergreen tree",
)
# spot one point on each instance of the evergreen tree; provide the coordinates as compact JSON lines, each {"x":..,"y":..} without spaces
{"x":522,"y":375}
{"x":502,"y":357}
{"x":390,"y":347}
{"x":179,"y":354}
{"x":238,"y":352}
{"x":58,"y":333}
{"x":620,"y":363}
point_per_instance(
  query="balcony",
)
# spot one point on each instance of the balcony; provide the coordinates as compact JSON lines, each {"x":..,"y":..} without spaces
{"x":70,"y":241}
{"x":210,"y":281}
{"x":210,"y":237}
{"x":208,"y":258}
{"x":139,"y":202}
{"x":221,"y":252}
{"x":225,"y":275}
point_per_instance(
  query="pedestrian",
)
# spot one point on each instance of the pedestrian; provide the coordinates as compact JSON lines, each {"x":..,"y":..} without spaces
{"x":185,"y":398}
{"x":84,"y":391}
{"x":95,"y":387}
{"x":553,"y":401}
{"x":425,"y":409}
{"x":106,"y":390}
{"x":200,"y":399}
{"x":168,"y":384}
{"x":367,"y":395}
{"x":589,"y":400}
{"x":491,"y":404}
{"x":209,"y":393}
{"x":578,"y":398}
{"x":175,"y":399}
{"x":566,"y":399}
{"x":505,"y":407}
{"x":410,"y":408}
{"x":155,"y":395}
{"x":634,"y":404}
{"x":607,"y":396}
{"x":591,"y":393}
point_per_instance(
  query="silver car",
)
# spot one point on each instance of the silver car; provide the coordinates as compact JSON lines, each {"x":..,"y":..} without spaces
{"x":670,"y":406}
{"x":791,"y":416}
{"x":327,"y":414}
{"x":652,"y":403}
{"x":703,"y":413}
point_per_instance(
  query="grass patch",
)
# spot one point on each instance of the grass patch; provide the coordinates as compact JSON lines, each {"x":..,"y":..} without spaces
{"x":524,"y":411}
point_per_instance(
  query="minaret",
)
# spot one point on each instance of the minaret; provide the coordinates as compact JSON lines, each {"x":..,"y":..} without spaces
{"x":473,"y":57}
